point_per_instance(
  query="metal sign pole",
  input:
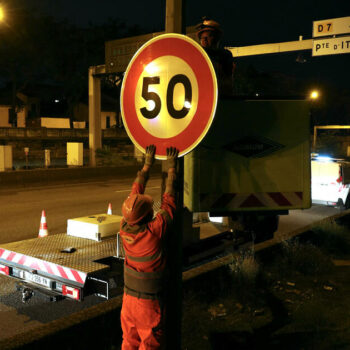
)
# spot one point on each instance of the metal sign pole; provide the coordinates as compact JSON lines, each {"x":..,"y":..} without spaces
{"x":174,"y":24}
{"x":95,"y":139}
{"x":26,"y":152}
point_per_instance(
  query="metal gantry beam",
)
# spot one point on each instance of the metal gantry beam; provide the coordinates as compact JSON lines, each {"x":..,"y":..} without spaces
{"x":263,"y":49}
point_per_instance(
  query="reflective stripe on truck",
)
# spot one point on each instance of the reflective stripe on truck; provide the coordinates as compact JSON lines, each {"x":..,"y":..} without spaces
{"x":249,"y":200}
{"x":43,"y":266}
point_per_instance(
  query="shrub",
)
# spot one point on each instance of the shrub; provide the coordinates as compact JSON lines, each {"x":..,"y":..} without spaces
{"x":332,"y":238}
{"x":113,"y":157}
{"x":304,"y":258}
{"x":244,"y":268}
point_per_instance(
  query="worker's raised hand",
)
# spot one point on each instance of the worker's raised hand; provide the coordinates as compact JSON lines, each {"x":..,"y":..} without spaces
{"x":149,"y":156}
{"x":171,"y":156}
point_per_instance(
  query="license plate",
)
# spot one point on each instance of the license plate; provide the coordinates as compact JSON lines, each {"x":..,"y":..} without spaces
{"x":37,"y":279}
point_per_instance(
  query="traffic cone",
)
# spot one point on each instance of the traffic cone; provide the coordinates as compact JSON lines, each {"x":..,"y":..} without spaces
{"x":43,"y":232}
{"x":109,"y":211}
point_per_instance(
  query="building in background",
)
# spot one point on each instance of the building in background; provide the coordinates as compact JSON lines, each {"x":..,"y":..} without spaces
{"x":45,"y":106}
{"x":24,"y":107}
{"x":110,"y":114}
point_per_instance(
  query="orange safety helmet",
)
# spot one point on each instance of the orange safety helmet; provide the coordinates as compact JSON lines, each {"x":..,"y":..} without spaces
{"x":208,"y":25}
{"x":136,"y":207}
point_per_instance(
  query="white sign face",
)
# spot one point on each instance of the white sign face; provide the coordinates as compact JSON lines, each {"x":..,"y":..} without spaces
{"x":331,"y":46}
{"x":332,"y":26}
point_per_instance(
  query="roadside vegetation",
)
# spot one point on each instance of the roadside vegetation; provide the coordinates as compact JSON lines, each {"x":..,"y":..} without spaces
{"x":121,"y":156}
{"x":294,"y":296}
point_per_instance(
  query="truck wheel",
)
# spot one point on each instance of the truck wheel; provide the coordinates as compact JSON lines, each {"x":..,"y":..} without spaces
{"x":347,"y":203}
{"x":268,"y":225}
{"x":260,"y":227}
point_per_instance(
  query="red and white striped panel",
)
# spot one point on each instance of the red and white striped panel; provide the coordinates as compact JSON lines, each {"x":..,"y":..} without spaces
{"x":251,"y":200}
{"x":44,"y":266}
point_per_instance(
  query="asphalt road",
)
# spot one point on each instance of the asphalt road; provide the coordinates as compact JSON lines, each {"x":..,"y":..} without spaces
{"x":20,"y":210}
{"x":20,"y":217}
{"x":298,"y":219}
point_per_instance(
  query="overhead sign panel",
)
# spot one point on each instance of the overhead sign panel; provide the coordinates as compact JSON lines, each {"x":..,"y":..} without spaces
{"x":169,"y":95}
{"x":331,"y":46}
{"x":334,"y":26}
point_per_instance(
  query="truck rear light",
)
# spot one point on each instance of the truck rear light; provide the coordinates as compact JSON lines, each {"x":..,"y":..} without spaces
{"x":71,"y":292}
{"x":4,"y":270}
{"x":340,"y":178}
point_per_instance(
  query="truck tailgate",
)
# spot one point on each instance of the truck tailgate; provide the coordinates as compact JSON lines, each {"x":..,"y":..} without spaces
{"x":46,"y":256}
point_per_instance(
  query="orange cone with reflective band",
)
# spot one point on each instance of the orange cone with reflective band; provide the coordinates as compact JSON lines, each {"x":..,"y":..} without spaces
{"x":109,"y":211}
{"x":43,"y":232}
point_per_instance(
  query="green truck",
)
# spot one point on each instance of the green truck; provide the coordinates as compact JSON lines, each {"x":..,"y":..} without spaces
{"x":253,"y":164}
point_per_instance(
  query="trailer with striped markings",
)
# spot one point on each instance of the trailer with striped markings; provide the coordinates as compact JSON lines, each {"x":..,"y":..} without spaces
{"x":60,"y":266}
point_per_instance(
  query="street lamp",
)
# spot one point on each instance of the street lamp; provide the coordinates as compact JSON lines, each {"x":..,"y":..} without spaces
{"x":314,"y":95}
{"x":2,"y":14}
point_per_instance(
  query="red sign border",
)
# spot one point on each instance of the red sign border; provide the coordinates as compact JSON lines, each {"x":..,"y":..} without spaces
{"x":194,"y":55}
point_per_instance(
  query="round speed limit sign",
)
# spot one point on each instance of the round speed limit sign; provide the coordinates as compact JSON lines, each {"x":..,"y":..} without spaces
{"x":169,"y":94}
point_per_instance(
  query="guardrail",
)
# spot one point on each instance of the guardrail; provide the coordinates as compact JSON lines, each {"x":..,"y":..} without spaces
{"x":45,"y":133}
{"x":53,"y":177}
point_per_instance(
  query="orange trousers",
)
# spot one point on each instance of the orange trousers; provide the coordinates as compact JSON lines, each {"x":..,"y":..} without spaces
{"x":141,"y":321}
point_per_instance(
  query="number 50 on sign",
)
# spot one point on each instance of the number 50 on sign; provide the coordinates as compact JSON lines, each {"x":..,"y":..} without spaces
{"x":169,"y":94}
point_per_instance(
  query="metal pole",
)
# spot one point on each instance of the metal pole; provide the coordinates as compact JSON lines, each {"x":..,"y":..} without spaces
{"x":47,"y":158}
{"x":95,"y":139}
{"x":26,"y":152}
{"x":173,"y":17}
{"x":315,"y":137}
{"x":174,"y":24}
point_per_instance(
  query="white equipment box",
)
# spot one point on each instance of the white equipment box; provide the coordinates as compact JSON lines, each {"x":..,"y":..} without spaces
{"x":5,"y":158}
{"x":95,"y":227}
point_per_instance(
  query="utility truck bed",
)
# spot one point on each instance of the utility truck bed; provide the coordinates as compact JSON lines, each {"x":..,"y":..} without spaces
{"x":61,"y":264}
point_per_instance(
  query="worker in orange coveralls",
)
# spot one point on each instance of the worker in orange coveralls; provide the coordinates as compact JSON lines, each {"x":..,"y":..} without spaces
{"x":142,"y":314}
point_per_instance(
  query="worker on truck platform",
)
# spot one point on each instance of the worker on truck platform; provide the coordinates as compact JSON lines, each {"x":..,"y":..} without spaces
{"x":209,"y":34}
{"x":142,"y":314}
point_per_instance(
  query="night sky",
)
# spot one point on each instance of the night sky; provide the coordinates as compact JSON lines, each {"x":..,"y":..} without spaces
{"x":244,"y":23}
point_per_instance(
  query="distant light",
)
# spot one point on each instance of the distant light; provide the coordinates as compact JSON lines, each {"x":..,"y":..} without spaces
{"x":217,"y":219}
{"x":314,"y":95}
{"x":324,"y":159}
{"x":256,"y":94}
{"x":2,"y":14}
{"x":187,"y":104}
{"x":57,"y":101}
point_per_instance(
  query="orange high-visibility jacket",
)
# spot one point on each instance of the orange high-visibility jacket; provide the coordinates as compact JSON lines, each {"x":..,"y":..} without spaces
{"x":143,"y":245}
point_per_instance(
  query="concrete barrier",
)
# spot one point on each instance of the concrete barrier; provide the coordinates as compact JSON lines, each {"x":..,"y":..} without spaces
{"x":47,"y":177}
